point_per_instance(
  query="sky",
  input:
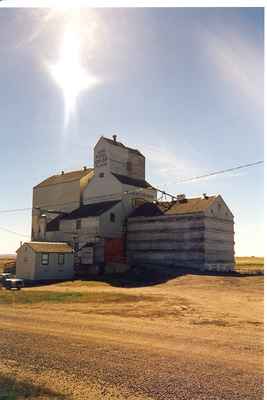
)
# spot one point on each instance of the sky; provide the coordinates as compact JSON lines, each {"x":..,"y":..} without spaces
{"x":183,"y":85}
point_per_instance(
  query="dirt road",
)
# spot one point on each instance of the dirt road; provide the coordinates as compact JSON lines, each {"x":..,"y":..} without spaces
{"x":208,"y":346}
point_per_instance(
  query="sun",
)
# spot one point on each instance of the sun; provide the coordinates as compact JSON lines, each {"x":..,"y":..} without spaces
{"x":69,"y":74}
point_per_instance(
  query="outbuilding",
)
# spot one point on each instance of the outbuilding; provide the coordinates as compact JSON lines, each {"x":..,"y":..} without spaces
{"x":195,"y":233}
{"x":45,"y":261}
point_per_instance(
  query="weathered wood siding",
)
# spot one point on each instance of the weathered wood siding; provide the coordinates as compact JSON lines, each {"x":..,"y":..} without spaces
{"x":196,"y":241}
{"x":219,"y":244}
{"x":167,"y":240}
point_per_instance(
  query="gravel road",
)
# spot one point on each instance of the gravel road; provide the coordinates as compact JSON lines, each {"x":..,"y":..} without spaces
{"x":201,"y":341}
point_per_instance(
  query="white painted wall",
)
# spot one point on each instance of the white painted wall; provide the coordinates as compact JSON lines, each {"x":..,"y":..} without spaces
{"x":54,"y":270}
{"x":219,"y":209}
{"x":102,"y":189}
{"x":109,"y":157}
{"x":29,"y":267}
{"x":25,"y":263}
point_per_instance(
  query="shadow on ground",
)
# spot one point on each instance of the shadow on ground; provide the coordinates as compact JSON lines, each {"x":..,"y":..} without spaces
{"x":12,"y":389}
{"x":143,"y":276}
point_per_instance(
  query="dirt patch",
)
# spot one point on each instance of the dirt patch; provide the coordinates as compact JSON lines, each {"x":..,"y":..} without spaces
{"x":215,"y":322}
{"x":193,"y":337}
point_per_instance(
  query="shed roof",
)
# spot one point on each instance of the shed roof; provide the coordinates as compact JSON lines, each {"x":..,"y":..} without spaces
{"x":66,"y":177}
{"x":91,"y":210}
{"x":186,"y":206}
{"x":50,"y":247}
{"x":126,"y":180}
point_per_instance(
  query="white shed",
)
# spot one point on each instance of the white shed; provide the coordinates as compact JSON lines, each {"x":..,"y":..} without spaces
{"x":44,"y":261}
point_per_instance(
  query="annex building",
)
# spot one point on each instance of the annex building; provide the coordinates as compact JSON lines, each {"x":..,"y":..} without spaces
{"x":110,"y":214}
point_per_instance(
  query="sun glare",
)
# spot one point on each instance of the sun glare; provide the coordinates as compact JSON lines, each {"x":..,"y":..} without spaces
{"x":69,"y":74}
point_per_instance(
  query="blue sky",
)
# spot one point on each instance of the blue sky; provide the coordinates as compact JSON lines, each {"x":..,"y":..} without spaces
{"x":183,"y":85}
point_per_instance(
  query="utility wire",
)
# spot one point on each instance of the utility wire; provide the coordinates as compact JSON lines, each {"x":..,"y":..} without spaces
{"x":136,"y":190}
{"x":13,"y":232}
{"x":45,"y":206}
{"x":15,"y":209}
{"x":223,"y":171}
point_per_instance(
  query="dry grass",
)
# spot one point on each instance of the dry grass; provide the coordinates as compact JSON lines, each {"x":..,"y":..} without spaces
{"x":250,"y":265}
{"x":45,"y":296}
{"x":257,"y":261}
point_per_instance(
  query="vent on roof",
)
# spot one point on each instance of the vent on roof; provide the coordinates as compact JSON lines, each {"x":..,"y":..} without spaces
{"x":205,"y":196}
{"x":114,"y":138}
{"x":85,"y":168}
{"x":62,"y":172}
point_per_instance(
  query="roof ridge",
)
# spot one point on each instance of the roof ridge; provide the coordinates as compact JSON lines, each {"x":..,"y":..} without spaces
{"x":52,"y":179}
{"x":117,"y":143}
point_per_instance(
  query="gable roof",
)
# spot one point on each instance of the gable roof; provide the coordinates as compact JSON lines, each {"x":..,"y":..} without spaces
{"x":66,"y":177}
{"x":126,"y":180}
{"x":116,"y":143}
{"x":50,"y":247}
{"x":147,"y":210}
{"x":186,"y":206}
{"x":91,"y":210}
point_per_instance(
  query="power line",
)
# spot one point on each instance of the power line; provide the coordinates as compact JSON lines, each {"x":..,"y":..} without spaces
{"x":46,"y":206}
{"x":15,"y":210}
{"x":223,"y":171}
{"x":13,"y":232}
{"x":134,"y":191}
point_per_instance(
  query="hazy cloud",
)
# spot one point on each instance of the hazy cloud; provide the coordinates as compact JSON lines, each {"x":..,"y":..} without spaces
{"x":237,"y":61}
{"x":168,"y":164}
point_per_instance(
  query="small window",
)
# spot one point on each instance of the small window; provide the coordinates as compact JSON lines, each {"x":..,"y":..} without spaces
{"x":78,"y":224}
{"x":101,"y":175}
{"x":61,"y":259}
{"x":112,"y":217}
{"x":45,"y":259}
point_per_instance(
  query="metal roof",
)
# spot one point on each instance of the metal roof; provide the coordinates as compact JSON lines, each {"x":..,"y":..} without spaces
{"x":185,"y":206}
{"x":91,"y":210}
{"x":49,"y":247}
{"x":132,"y":181}
{"x":66,"y":177}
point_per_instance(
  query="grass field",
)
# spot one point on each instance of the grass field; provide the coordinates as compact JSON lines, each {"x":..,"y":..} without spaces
{"x":49,"y":296}
{"x":242,"y":263}
{"x":249,"y":264}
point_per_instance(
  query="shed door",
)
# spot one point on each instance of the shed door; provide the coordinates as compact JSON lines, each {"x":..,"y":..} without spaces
{"x":114,"y":250}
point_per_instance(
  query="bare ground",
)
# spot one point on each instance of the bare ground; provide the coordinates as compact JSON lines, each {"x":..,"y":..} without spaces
{"x":193,"y":337}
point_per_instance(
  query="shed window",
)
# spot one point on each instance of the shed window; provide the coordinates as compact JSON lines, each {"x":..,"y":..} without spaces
{"x":61,"y":259}
{"x":112,"y":217}
{"x":45,"y":259}
{"x":78,"y":224}
{"x":101,"y":175}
